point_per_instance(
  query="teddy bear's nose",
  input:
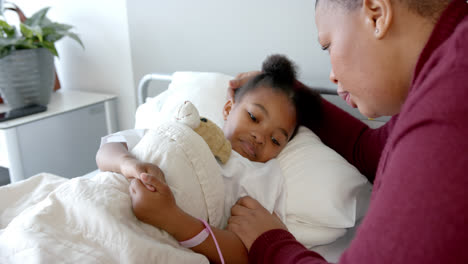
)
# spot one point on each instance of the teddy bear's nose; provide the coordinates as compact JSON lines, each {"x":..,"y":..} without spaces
{"x":203,"y":119}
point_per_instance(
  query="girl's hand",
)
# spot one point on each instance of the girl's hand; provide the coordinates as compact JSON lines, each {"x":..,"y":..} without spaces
{"x":132,"y":168}
{"x":249,"y":219}
{"x":240,"y":80}
{"x":157,"y":208}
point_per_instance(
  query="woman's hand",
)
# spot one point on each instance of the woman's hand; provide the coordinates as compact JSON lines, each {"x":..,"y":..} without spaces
{"x":249,"y":219}
{"x":240,"y":80}
{"x":133,"y":168}
{"x":157,"y":208}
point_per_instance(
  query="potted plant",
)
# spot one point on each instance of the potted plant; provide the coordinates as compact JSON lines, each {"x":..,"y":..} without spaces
{"x":27,"y":71}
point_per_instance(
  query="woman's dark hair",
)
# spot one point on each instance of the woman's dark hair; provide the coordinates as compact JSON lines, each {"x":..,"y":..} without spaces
{"x":280,"y":74}
{"x":425,"y":8}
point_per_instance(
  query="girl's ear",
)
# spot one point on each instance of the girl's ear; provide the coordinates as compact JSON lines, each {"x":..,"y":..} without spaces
{"x":227,"y":108}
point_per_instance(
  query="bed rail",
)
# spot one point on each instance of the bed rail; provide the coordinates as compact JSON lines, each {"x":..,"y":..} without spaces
{"x":145,"y":81}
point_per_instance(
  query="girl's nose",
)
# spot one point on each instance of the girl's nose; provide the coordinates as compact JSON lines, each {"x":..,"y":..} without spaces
{"x":258,"y":137}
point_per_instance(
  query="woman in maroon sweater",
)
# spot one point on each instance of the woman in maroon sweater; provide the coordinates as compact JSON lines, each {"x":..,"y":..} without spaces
{"x":407,"y":59}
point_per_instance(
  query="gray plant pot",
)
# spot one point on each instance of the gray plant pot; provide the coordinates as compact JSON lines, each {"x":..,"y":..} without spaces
{"x":27,"y":77}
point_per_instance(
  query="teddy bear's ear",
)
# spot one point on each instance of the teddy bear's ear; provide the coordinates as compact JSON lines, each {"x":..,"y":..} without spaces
{"x":188,"y":114}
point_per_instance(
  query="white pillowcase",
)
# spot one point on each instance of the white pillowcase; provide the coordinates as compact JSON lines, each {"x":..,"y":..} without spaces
{"x":324,"y":191}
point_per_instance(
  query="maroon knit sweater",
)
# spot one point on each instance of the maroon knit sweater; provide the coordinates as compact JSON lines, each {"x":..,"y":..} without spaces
{"x":419,"y":206}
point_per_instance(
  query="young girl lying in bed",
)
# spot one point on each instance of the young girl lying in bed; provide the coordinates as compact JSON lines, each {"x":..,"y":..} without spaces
{"x":259,"y":121}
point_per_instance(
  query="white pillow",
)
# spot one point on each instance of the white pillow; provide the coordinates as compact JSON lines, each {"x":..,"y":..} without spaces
{"x":150,"y":112}
{"x":323,"y":189}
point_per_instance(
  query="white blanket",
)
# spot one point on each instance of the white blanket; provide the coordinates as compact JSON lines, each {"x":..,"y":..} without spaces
{"x":49,"y":219}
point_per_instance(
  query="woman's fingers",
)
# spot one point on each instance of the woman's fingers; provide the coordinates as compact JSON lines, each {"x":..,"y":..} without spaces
{"x":136,"y":186}
{"x":234,"y":223}
{"x":244,"y":206}
{"x":240,"y":80}
{"x":248,"y":224}
{"x":150,"y":180}
{"x":237,"y":210}
{"x":249,"y":202}
{"x":156,"y":171}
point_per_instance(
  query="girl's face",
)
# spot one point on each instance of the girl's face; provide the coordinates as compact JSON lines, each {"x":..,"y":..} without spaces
{"x":368,"y":69}
{"x":260,"y":124}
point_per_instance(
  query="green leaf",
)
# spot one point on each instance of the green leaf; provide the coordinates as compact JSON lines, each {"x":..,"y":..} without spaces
{"x":59,"y":27}
{"x":22,"y":43}
{"x":55,"y":31}
{"x":36,"y":32}
{"x":26,"y":31}
{"x":7,"y":29}
{"x":51,"y":47}
{"x":31,"y":32}
{"x":38,"y":18}
{"x":52,"y":37}
{"x":46,"y":21}
{"x":27,"y":43}
{"x":8,"y":42}
{"x":5,"y":25}
{"x":76,"y":38}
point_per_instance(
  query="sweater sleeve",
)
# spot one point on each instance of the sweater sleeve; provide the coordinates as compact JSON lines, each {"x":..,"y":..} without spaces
{"x":280,"y":246}
{"x":352,"y":139}
{"x":419,"y":209}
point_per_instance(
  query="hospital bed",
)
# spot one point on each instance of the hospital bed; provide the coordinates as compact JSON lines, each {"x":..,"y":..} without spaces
{"x":340,"y":213}
{"x":153,"y":84}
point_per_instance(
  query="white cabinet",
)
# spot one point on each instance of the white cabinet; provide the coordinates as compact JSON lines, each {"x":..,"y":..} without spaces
{"x":62,"y":140}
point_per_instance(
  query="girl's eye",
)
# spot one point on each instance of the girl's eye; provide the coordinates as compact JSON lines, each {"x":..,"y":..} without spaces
{"x":275,"y":141}
{"x":252,"y":117}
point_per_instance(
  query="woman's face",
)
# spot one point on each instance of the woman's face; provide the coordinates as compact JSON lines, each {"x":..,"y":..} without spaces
{"x":364,"y":67}
{"x":260,"y":124}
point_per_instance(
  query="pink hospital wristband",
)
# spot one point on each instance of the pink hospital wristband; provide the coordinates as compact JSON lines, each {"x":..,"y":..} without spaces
{"x":198,"y":239}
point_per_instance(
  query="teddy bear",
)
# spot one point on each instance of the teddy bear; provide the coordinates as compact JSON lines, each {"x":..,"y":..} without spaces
{"x":207,"y":129}
{"x":187,"y":149}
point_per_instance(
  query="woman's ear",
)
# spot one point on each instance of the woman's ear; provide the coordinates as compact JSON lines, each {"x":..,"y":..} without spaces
{"x":378,"y":15}
{"x":227,"y":108}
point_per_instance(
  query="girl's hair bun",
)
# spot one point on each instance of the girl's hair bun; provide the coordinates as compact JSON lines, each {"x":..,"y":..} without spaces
{"x":280,"y":68}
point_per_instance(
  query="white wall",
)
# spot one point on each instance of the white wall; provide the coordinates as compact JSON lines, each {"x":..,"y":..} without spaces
{"x":224,"y":36}
{"x":105,"y":63}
